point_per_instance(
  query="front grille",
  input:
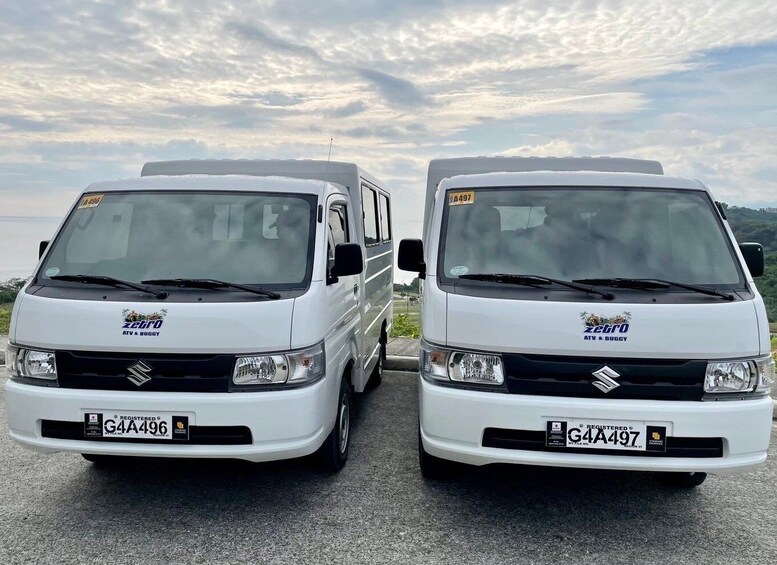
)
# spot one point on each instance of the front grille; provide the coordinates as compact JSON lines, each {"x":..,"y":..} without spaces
{"x":530,"y":440}
{"x":646,"y":379}
{"x":168,"y":372}
{"x":198,"y":435}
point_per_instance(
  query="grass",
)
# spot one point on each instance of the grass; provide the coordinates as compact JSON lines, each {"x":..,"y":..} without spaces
{"x":5,"y":318}
{"x":407,"y":318}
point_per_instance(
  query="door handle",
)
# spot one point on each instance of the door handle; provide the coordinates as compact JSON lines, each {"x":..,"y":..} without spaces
{"x":356,"y":289}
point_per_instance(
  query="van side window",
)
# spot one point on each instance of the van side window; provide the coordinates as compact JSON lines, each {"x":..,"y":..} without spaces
{"x":338,"y":231}
{"x":385,"y":218}
{"x":228,"y":221}
{"x":370,"y":215}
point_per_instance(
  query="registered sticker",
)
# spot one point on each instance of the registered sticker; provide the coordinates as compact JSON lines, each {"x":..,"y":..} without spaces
{"x":91,"y":201}
{"x":460,"y":198}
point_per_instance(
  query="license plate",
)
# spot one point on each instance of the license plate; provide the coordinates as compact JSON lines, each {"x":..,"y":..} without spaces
{"x":135,"y":425}
{"x":605,"y":434}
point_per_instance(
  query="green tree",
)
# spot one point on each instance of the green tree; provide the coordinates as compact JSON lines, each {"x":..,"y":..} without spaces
{"x":9,"y":290}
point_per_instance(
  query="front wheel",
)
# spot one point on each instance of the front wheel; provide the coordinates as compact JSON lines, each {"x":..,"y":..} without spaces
{"x":682,"y":480}
{"x":333,"y":453}
{"x":377,"y":374}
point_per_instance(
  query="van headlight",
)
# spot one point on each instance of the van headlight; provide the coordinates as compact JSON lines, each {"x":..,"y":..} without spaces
{"x":291,"y":368}
{"x":755,"y":375}
{"x":34,"y":364}
{"x":465,"y":367}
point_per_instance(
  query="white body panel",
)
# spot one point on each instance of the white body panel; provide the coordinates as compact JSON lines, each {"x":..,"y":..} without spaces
{"x":700,"y":330}
{"x":48,"y":323}
{"x":453,"y":421}
{"x":283,"y":423}
{"x":744,"y":426}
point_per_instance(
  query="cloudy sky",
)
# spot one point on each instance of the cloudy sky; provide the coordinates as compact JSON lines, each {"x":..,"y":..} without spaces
{"x":92,"y":90}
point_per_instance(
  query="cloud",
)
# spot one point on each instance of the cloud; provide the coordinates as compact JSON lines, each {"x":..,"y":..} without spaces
{"x":20,"y":123}
{"x":396,"y":90}
{"x":91,"y":90}
{"x":350,"y":109}
{"x":269,"y":98}
{"x":268,"y":40}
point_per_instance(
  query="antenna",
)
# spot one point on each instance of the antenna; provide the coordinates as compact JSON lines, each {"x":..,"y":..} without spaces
{"x":331,"y":140}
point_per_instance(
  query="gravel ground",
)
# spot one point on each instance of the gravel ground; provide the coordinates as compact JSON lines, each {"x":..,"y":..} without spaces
{"x":62,"y":509}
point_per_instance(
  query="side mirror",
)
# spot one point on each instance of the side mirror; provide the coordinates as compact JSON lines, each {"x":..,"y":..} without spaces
{"x":754,"y":257}
{"x":42,"y":246}
{"x":349,"y":260}
{"x":411,"y":256}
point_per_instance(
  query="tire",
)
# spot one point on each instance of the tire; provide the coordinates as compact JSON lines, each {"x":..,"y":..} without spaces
{"x":682,"y":480}
{"x":432,"y":467}
{"x":333,"y":453}
{"x":377,"y":373}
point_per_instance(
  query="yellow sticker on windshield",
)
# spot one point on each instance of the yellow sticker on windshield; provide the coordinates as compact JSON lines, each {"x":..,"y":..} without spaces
{"x":91,"y":201}
{"x":459,"y":198}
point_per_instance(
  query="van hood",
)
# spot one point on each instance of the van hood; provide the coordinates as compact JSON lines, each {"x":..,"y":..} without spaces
{"x":165,"y":327}
{"x":689,"y":331}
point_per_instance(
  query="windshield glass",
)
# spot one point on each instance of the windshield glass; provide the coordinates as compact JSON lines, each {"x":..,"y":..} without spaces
{"x":586,"y":233}
{"x":250,"y":238}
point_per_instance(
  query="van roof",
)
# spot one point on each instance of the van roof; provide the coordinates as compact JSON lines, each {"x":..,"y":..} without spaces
{"x":573,"y":178}
{"x":208,"y":182}
{"x":331,"y":171}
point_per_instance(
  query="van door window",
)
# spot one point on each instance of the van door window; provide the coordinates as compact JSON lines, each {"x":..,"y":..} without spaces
{"x":370,"y":216}
{"x":338,"y":231}
{"x":385,"y":218}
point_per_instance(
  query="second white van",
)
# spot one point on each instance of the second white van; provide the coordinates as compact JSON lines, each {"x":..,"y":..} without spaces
{"x":587,"y":313}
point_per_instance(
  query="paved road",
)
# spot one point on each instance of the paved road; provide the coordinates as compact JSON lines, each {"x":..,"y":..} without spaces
{"x":377,"y":510}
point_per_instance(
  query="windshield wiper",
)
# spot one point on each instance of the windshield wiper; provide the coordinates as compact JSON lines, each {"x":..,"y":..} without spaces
{"x":110,"y":281}
{"x":212,"y":283}
{"x":535,"y":281}
{"x":654,"y":284}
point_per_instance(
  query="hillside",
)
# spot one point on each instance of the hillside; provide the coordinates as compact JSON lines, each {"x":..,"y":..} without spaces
{"x":754,"y":225}
{"x":759,"y":226}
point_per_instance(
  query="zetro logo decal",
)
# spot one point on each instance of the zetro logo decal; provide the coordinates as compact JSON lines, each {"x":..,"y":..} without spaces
{"x":606,"y":328}
{"x":145,"y":325}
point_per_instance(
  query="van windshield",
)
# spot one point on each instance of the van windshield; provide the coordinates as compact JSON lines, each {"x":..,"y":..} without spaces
{"x":587,"y":233}
{"x":241,"y":237}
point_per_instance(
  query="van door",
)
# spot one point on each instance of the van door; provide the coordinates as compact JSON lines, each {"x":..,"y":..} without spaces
{"x":343,"y":294}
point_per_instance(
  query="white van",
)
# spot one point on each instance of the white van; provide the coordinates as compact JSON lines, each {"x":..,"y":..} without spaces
{"x":208,"y":309}
{"x":587,"y":313}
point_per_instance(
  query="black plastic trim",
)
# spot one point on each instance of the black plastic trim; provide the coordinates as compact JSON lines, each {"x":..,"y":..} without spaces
{"x":572,"y":376}
{"x":198,"y":435}
{"x":532,"y":440}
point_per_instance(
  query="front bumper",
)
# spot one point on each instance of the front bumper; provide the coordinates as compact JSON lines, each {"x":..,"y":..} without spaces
{"x":453,"y":422}
{"x":283,"y":424}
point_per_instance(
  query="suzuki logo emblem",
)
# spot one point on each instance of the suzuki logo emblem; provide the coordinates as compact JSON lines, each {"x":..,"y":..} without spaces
{"x":606,"y":379}
{"x":139,"y":373}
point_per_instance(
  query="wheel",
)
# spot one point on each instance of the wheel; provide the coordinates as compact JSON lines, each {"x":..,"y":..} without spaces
{"x":682,"y":480}
{"x":333,"y":453}
{"x":102,"y":460}
{"x":431,"y":467}
{"x":377,"y":373}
